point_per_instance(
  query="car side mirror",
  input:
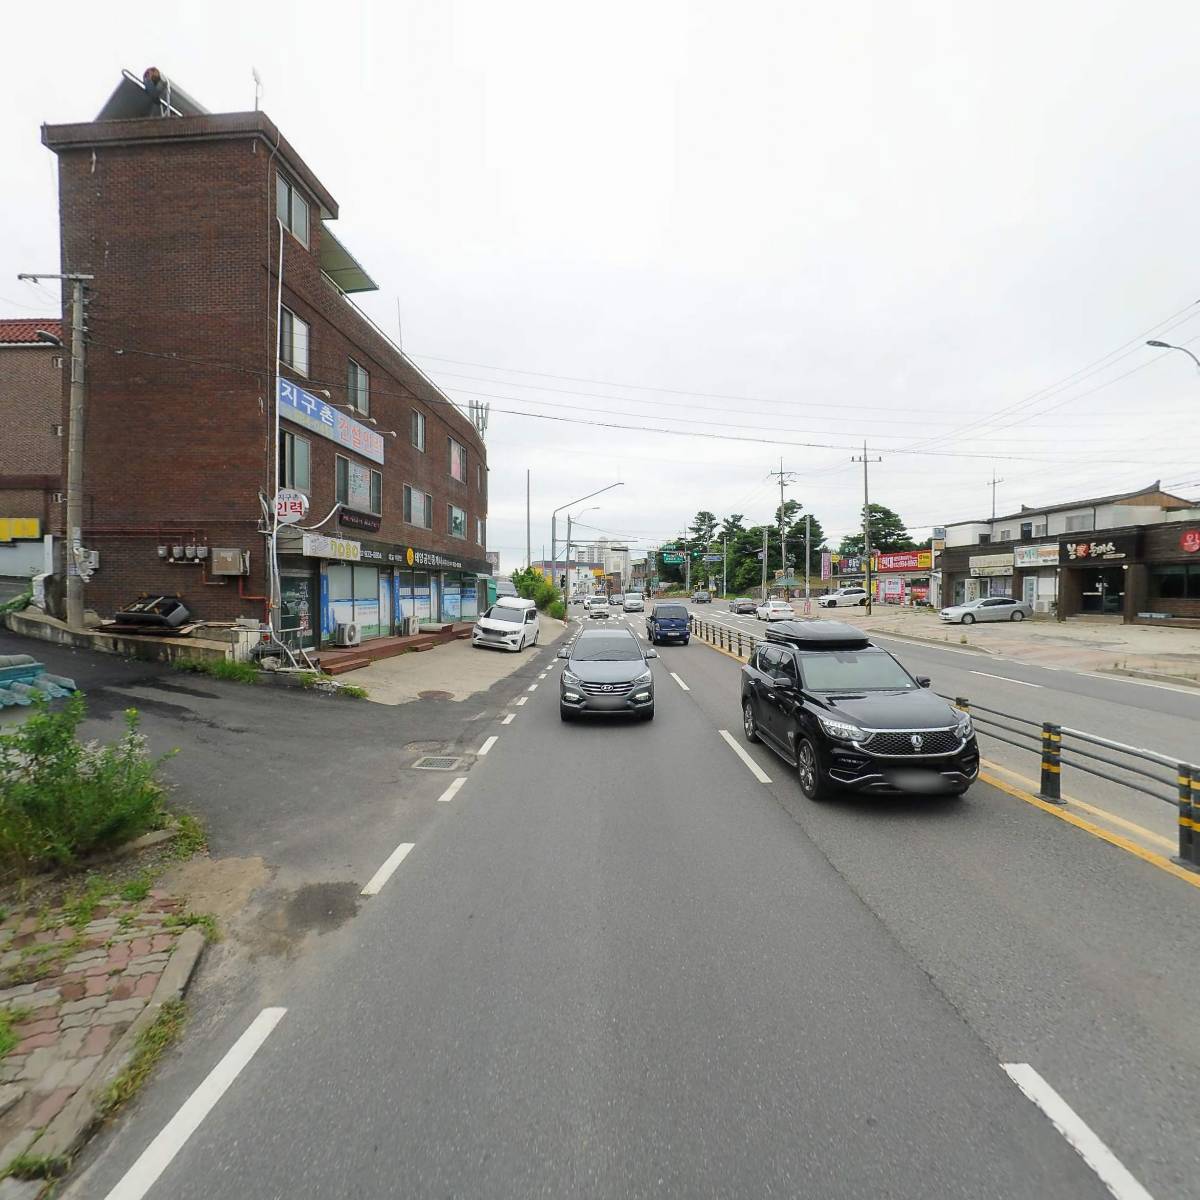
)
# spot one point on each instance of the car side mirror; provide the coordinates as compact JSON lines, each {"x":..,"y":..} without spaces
{"x":564,"y":653}
{"x":783,"y":681}
{"x":650,"y":654}
{"x":923,"y":681}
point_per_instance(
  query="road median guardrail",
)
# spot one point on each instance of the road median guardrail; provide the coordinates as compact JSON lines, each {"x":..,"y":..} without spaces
{"x":1146,"y":772}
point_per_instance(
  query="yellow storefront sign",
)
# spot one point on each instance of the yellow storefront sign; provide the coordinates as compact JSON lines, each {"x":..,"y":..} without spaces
{"x":20,"y":529}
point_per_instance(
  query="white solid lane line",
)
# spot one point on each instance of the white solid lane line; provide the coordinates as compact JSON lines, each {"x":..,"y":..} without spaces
{"x":680,"y":682}
{"x":1086,"y":1144}
{"x":509,"y":719}
{"x":452,"y":790}
{"x":1006,"y":679}
{"x":397,"y":856}
{"x":522,"y":701}
{"x":157,"y":1156}
{"x":755,"y":769}
{"x":487,"y":745}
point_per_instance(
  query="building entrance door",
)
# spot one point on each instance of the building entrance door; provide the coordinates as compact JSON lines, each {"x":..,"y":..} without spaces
{"x":1029,"y":589}
{"x":1102,"y":590}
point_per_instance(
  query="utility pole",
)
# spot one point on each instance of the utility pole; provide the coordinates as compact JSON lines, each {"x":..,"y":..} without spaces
{"x":77,"y":571}
{"x":528,"y":548}
{"x":788,"y":477}
{"x":687,"y":567}
{"x":764,"y":562}
{"x":992,"y":485}
{"x":724,"y":565}
{"x":807,"y":531}
{"x":866,"y":516}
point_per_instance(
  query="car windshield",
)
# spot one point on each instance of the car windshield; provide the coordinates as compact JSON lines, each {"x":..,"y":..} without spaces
{"x":502,"y":612}
{"x":854,"y":671}
{"x":621,"y":648}
{"x":670,"y":610}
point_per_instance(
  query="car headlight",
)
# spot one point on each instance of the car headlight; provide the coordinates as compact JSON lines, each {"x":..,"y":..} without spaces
{"x":478,"y":630}
{"x":571,"y":679}
{"x":965,"y":729}
{"x":644,"y":677}
{"x":844,"y":731}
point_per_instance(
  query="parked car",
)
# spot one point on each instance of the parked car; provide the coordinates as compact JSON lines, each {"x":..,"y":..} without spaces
{"x":743,"y":604}
{"x":616,"y":599}
{"x":701,"y":598}
{"x":843,"y":597}
{"x":774,"y":610}
{"x":847,"y":715}
{"x":633,"y":602}
{"x":988,"y":608}
{"x":504,"y":587}
{"x":510,"y":624}
{"x":668,"y":623}
{"x":607,"y":672}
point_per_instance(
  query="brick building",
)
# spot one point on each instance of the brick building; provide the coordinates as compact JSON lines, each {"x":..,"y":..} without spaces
{"x":31,"y":372}
{"x":183,"y":218}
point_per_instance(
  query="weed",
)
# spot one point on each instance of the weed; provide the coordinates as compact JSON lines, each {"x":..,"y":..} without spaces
{"x":191,"y":838}
{"x":353,"y":691}
{"x":38,"y":1166}
{"x":221,"y":668}
{"x":80,"y":907}
{"x":204,"y":921}
{"x":137,"y":888}
{"x":312,"y":679}
{"x":17,"y":603}
{"x":8,"y":1018}
{"x":151,"y":1044}
{"x":60,"y":797}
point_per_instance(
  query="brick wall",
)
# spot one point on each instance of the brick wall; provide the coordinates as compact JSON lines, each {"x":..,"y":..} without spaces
{"x":30,"y":450}
{"x":176,"y":220}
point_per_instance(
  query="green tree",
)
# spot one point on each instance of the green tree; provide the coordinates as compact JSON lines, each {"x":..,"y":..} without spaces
{"x":703,"y":527}
{"x":732,"y":526}
{"x":888,"y":533}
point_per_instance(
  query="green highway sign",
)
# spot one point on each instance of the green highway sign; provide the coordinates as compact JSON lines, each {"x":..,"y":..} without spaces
{"x":672,"y":559}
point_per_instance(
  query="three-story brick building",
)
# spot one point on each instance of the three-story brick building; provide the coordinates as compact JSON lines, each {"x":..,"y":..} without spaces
{"x":220,"y":294}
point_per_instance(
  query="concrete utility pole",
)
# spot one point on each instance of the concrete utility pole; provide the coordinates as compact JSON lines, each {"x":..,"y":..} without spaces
{"x":764,"y":562}
{"x":864,"y":459}
{"x":992,"y":485}
{"x":724,"y":566}
{"x":76,"y":571}
{"x":807,"y":531}
{"x":528,"y":546}
{"x":789,"y":477}
{"x":687,"y":568}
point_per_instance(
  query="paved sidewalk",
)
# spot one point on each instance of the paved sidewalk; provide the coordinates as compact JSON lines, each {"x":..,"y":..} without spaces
{"x":1080,"y":645}
{"x":81,"y":986}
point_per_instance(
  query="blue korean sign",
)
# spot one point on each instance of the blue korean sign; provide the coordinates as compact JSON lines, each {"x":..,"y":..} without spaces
{"x":297,"y":405}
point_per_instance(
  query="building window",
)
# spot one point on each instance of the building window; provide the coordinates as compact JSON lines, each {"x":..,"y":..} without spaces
{"x":985,"y":539}
{"x":1005,"y":535}
{"x":1176,"y":583}
{"x":479,"y":531}
{"x":479,"y":477}
{"x":418,"y":507}
{"x":456,"y":521}
{"x":358,"y":487}
{"x":458,"y":461}
{"x":358,"y":388}
{"x":1084,"y":521}
{"x":293,"y":341}
{"x":291,"y":208}
{"x":294,"y":465}
{"x":418,"y":430}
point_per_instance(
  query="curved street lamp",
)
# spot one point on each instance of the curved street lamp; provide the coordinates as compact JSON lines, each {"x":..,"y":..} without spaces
{"x":1181,"y":349}
{"x":554,"y":525}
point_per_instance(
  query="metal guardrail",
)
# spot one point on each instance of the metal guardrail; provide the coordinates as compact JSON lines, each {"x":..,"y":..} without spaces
{"x":1145,"y":772}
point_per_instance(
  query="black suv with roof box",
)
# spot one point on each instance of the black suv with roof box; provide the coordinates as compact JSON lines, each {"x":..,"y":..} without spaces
{"x":846,"y":714}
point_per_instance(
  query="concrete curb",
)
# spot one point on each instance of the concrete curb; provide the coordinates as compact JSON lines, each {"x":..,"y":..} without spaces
{"x":1155,"y":676}
{"x":69,"y":1129}
{"x":928,"y":641}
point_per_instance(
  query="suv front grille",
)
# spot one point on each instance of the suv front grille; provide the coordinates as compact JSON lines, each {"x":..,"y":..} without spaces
{"x":607,"y":689}
{"x":916,"y":743}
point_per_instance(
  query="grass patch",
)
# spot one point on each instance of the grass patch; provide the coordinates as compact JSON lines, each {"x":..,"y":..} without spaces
{"x":8,"y":1018}
{"x":204,"y":921}
{"x":312,"y":679}
{"x":190,"y":839}
{"x":17,"y":603}
{"x":136,"y":889}
{"x":38,"y":1166}
{"x":163,"y":1032}
{"x":221,"y":668}
{"x":353,"y":691}
{"x":61,"y":798}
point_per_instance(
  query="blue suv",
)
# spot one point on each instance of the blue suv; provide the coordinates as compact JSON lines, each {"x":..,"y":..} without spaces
{"x":668,"y":623}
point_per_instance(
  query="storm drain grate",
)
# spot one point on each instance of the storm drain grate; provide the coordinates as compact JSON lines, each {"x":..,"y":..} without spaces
{"x":433,"y":762}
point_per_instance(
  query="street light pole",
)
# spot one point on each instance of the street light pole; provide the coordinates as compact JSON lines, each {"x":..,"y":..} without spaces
{"x":1181,"y":349}
{"x":554,"y":529}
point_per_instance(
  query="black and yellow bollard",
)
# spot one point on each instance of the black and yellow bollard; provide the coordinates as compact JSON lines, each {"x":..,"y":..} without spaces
{"x":1189,"y":837}
{"x":1051,"y":762}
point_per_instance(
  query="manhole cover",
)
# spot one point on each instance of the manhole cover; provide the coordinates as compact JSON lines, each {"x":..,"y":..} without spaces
{"x":423,"y":747}
{"x":432,"y":762}
{"x":435,"y":695}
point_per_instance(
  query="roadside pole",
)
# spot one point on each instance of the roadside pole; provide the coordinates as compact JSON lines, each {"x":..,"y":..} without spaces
{"x":866,"y":518}
{"x":528,"y":547}
{"x":807,"y":586}
{"x":764,"y":563}
{"x":724,"y":566}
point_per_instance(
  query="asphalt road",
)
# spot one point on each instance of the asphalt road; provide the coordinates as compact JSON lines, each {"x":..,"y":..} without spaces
{"x":1160,"y":717}
{"x":618,"y":964}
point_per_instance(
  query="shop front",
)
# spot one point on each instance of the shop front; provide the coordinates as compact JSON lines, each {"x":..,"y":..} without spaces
{"x":902,"y":576}
{"x":1095,"y":575}
{"x":1166,"y":585}
{"x":1035,"y":570}
{"x":987,"y":575}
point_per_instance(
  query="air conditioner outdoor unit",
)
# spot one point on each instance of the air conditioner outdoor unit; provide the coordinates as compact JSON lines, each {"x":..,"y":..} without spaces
{"x":348,"y":633}
{"x":412,"y":626}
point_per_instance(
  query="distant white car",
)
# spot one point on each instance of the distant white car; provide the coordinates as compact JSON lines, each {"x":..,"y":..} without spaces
{"x":633,"y":602}
{"x":774,"y":610}
{"x":843,"y":597}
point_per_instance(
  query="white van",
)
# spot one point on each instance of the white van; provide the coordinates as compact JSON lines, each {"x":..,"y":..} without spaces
{"x":510,"y":624}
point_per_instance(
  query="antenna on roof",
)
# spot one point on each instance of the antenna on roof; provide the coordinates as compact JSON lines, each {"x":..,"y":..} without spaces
{"x":257,"y":86}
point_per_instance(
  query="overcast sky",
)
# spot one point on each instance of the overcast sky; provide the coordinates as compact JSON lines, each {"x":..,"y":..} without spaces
{"x":921,"y":224}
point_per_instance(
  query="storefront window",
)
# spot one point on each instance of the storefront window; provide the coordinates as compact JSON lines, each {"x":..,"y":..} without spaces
{"x":470,"y":597}
{"x":1176,"y":582}
{"x":421,"y":596}
{"x":354,"y":595}
{"x":404,"y":595}
{"x":451,"y":599}
{"x":341,"y":592}
{"x":296,"y":610}
{"x":366,"y":600}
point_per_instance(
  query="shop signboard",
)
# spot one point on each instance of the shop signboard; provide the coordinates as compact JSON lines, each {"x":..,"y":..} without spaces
{"x":919,"y":593}
{"x":359,"y":520}
{"x":847,"y":564}
{"x":302,"y":408}
{"x":1036,"y":556}
{"x":317,"y":545}
{"x":891,"y":590}
{"x":904,"y":560}
{"x":290,"y":506}
{"x":493,"y":558}
{"x":990,"y":564}
{"x":826,"y":565}
{"x":1101,"y":549}
{"x":1189,"y":541}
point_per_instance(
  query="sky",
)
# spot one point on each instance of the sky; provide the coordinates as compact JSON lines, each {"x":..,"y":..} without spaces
{"x":772,"y":230}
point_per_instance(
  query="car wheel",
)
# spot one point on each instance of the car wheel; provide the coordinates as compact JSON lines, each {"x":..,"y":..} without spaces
{"x":565,"y":713}
{"x":808,"y":771}
{"x":967,"y":619}
{"x":1017,"y":616}
{"x":748,"y":722}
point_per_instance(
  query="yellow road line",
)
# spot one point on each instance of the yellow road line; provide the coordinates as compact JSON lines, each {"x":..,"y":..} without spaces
{"x":1096,"y":811}
{"x":1105,"y":835}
